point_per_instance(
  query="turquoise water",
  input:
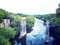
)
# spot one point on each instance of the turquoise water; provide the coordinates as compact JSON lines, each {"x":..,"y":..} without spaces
{"x":37,"y":36}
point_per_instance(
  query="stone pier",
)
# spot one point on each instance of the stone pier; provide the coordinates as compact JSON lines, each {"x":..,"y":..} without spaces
{"x":47,"y":33}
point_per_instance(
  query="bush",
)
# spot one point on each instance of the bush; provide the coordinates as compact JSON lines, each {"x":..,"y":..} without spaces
{"x":5,"y":35}
{"x":29,"y":23}
{"x":16,"y":22}
{"x":4,"y":41}
{"x":7,"y":32}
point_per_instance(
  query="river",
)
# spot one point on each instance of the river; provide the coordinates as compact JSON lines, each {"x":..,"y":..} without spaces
{"x":37,"y":36}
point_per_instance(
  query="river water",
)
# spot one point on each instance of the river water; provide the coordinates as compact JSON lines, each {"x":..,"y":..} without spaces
{"x":37,"y":36}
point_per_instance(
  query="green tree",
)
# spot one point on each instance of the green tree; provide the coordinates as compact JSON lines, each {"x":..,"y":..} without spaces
{"x":5,"y":35}
{"x":4,"y":41}
{"x":16,"y":22}
{"x":1,"y":16}
{"x":29,"y":23}
{"x":7,"y":32}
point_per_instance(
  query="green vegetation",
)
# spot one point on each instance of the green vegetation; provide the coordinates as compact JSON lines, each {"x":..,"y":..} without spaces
{"x":54,"y":24}
{"x":7,"y":32}
{"x":4,"y":41}
{"x":29,"y":23}
{"x":5,"y":35}
{"x":15,"y":19}
{"x":16,"y":22}
{"x":22,"y":15}
{"x":1,"y":15}
{"x":51,"y":17}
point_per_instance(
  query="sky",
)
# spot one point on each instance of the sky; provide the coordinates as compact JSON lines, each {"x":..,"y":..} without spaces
{"x":30,"y":6}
